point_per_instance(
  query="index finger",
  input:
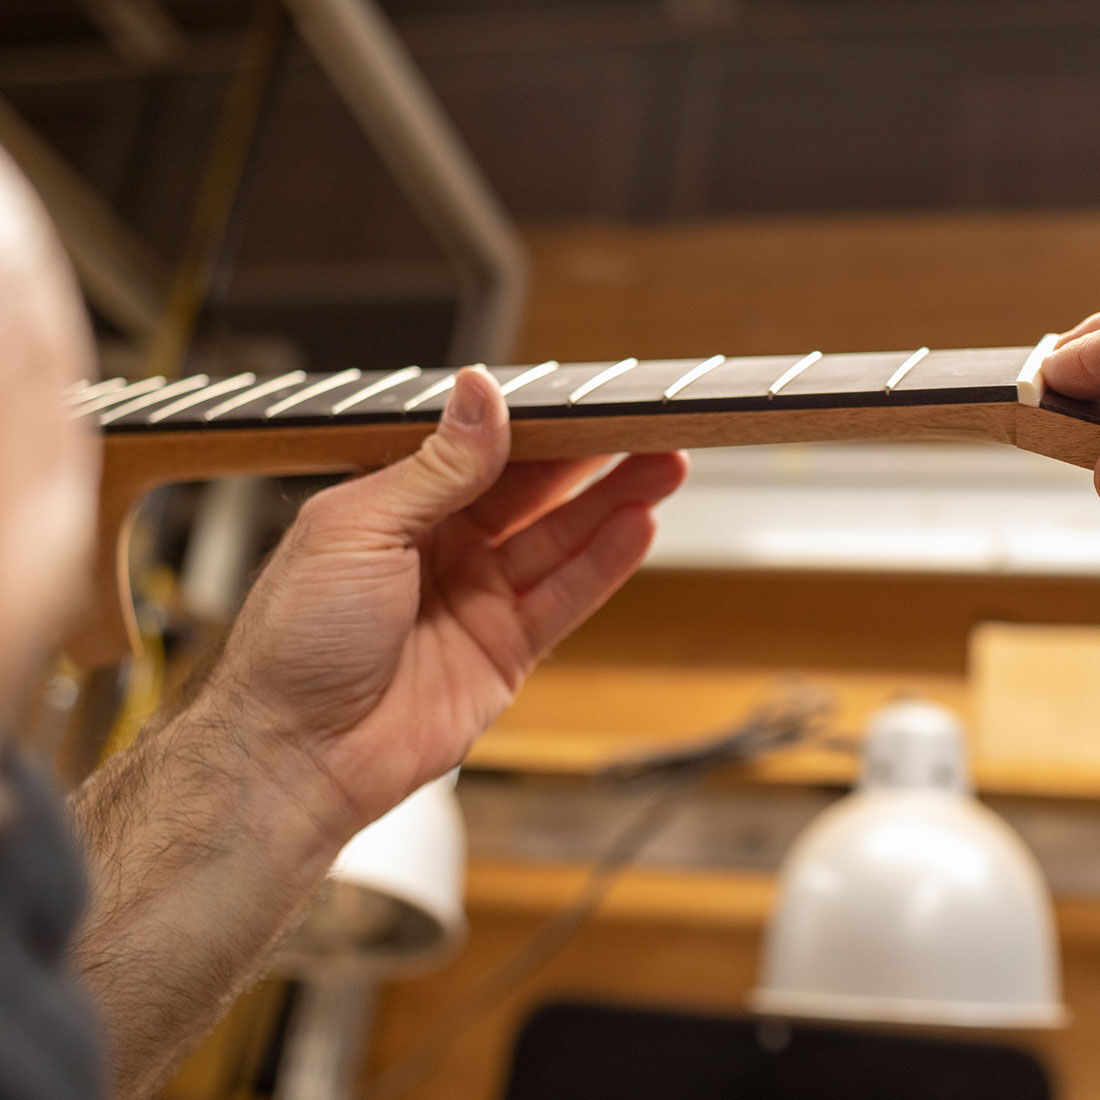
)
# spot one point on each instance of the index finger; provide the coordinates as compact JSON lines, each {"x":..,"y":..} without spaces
{"x":1083,"y":328}
{"x":528,"y":490}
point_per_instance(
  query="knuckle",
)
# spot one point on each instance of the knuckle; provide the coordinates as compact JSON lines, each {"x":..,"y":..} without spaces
{"x":443,"y":461}
{"x":1084,"y":364}
{"x":313,"y":512}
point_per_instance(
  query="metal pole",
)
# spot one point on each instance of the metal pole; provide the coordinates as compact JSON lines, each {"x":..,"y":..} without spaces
{"x":326,"y":1040}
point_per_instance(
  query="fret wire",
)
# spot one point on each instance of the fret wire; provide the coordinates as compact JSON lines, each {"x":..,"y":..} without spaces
{"x":394,"y":378}
{"x":791,"y":373}
{"x":227,"y":385}
{"x":1029,"y":382}
{"x":318,"y":388}
{"x":124,"y":394}
{"x":184,"y":385}
{"x":904,"y":369}
{"x":434,"y":390}
{"x":87,"y":391}
{"x":272,"y":385}
{"x":693,"y":375}
{"x":529,"y":376}
{"x":606,"y":375}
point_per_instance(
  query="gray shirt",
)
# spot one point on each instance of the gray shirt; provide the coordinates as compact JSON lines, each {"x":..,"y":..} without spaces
{"x":49,"y":1048}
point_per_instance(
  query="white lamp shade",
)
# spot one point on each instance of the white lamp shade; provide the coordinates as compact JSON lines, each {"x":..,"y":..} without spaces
{"x":393,"y":902}
{"x":910,"y":902}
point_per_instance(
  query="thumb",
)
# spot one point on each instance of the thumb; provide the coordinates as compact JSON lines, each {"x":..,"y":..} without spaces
{"x":1073,"y":368}
{"x":454,"y":465}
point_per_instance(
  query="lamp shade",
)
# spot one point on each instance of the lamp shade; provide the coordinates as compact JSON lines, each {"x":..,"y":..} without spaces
{"x":910,"y":902}
{"x":393,"y":901}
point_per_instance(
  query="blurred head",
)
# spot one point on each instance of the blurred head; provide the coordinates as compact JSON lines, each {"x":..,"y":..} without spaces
{"x":49,"y":465}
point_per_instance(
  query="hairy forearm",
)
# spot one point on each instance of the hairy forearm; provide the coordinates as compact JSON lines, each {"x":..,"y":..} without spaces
{"x":200,"y":856}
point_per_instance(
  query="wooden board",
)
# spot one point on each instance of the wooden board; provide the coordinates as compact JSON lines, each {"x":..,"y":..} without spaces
{"x":758,"y":285}
{"x":1035,"y":705}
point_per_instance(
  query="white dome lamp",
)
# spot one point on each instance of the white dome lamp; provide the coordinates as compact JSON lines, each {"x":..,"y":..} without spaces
{"x":909,"y":902}
{"x":393,"y":902}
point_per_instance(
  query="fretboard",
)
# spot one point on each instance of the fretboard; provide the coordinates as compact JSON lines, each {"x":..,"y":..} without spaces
{"x":625,"y":388}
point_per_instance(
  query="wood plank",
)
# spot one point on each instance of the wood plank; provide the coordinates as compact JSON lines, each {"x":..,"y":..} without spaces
{"x":756,"y":286}
{"x":1035,"y":704}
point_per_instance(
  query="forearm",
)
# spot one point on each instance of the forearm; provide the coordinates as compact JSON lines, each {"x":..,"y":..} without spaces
{"x":200,"y":857}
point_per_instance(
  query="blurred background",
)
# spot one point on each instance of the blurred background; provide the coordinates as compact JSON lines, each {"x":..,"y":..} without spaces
{"x":334,"y":183}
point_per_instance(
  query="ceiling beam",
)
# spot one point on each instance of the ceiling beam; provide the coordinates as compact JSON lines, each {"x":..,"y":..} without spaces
{"x":139,"y":31}
{"x":119,"y":273}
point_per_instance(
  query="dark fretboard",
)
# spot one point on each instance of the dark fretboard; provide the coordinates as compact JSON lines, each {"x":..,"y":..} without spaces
{"x":628,"y":387}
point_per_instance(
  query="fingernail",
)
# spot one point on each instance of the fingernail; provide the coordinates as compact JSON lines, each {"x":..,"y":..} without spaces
{"x":468,"y":401}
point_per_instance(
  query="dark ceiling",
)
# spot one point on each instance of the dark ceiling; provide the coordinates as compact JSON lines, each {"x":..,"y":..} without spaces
{"x":640,"y":111}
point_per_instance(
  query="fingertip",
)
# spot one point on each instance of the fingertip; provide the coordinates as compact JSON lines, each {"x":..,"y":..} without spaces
{"x":659,"y":474}
{"x":683,"y":465}
{"x":475,"y":401}
{"x":1073,"y":368}
{"x":673,"y":470}
{"x":1082,"y":328}
{"x":633,"y":526}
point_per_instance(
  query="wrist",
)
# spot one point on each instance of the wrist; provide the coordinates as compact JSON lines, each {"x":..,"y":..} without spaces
{"x":272,"y":782}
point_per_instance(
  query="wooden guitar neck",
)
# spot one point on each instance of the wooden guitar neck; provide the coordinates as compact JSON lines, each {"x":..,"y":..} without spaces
{"x":156,"y":432}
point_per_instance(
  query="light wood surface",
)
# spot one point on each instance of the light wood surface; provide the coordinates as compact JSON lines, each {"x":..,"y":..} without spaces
{"x":1034,"y":709}
{"x":677,"y":654}
{"x":766,"y":285}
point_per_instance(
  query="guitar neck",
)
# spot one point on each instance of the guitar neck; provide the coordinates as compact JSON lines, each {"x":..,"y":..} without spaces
{"x":359,"y":419}
{"x":300,"y":423}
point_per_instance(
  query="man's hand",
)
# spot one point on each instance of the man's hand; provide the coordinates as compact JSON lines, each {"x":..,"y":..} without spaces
{"x":1073,"y":368}
{"x":394,"y":622}
{"x":403,"y":610}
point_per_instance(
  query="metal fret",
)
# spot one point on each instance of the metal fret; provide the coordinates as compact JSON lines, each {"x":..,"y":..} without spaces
{"x":227,"y":385}
{"x":593,"y":384}
{"x":86,"y":390}
{"x":528,"y":376}
{"x":696,"y":372}
{"x":904,"y":369}
{"x":396,"y":378}
{"x":163,"y":393}
{"x":124,"y":394}
{"x":318,"y":388}
{"x":792,"y":373}
{"x":434,"y":390}
{"x":264,"y":389}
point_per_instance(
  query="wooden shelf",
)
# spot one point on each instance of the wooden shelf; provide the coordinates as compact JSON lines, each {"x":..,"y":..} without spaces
{"x":687,"y":899}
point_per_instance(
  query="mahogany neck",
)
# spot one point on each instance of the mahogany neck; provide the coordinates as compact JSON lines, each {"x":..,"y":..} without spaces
{"x":196,"y":429}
